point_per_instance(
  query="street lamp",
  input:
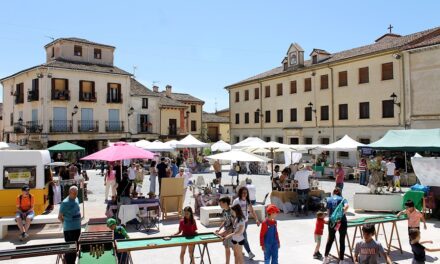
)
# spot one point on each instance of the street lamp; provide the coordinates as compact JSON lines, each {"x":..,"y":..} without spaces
{"x":314,"y":111}
{"x":75,"y":110}
{"x":260,"y":120}
{"x":130,"y":111}
{"x":394,"y":96}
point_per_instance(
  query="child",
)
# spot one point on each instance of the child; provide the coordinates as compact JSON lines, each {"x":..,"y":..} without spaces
{"x":367,"y":251}
{"x":237,"y":236}
{"x":417,"y":248}
{"x":227,"y":226}
{"x":414,"y":216}
{"x":319,"y":231}
{"x":188,"y":227}
{"x":119,"y":232}
{"x":397,"y":180}
{"x":269,"y":240}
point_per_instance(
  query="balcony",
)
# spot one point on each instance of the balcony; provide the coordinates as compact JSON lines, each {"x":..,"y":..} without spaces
{"x":87,"y":97}
{"x":145,"y":128}
{"x":114,"y":126}
{"x":32,"y":95}
{"x":114,"y":99}
{"x":88,"y":125}
{"x":33,"y":127}
{"x":60,"y":126}
{"x":19,"y":127}
{"x":19,"y":98}
{"x":61,"y":95}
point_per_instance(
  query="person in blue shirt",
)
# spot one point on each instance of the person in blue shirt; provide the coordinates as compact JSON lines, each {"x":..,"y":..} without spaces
{"x":174,"y":169}
{"x":332,"y":203}
{"x":70,"y":216}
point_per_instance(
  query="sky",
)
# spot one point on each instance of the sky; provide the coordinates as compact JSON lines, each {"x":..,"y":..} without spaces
{"x":199,"y":47}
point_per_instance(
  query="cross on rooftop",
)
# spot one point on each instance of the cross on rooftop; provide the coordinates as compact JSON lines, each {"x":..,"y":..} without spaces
{"x":390,"y":28}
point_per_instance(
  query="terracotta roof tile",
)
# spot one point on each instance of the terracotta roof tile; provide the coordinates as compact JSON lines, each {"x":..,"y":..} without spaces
{"x":213,"y":118}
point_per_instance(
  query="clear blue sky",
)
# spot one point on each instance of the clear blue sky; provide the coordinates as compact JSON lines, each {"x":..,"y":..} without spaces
{"x":199,"y":47}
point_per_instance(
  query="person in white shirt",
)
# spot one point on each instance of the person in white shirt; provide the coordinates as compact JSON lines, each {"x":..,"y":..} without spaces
{"x":252,"y":191}
{"x":302,"y":179}
{"x":185,"y":175}
{"x":132,"y":177}
{"x":390,"y":170}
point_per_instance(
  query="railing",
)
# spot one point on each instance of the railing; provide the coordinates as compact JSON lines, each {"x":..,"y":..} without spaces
{"x":60,"y":126}
{"x":19,"y":98}
{"x":114,"y":126}
{"x":87,"y":97}
{"x":32,"y":95}
{"x":111,"y":99}
{"x":88,"y":125}
{"x":33,"y":127}
{"x":18,"y":127}
{"x":144,"y":128}
{"x":61,"y":95}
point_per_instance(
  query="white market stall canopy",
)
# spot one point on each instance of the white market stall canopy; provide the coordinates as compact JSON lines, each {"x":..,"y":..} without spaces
{"x":190,"y":142}
{"x":142,"y":143}
{"x":344,"y":144}
{"x":220,"y":146}
{"x":158,"y":146}
{"x":248,"y":142}
{"x":427,"y":170}
{"x":238,"y":155}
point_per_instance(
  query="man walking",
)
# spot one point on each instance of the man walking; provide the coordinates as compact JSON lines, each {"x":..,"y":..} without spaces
{"x":218,"y":171}
{"x":302,"y":179}
{"x":161,"y":171}
{"x":70,"y":216}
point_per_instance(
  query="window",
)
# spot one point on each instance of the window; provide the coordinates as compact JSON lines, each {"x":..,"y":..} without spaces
{"x":19,"y":93}
{"x":308,"y":140}
{"x":237,"y":139}
{"x":280,"y":140}
{"x":279,"y":89}
{"x":364,"y":110}
{"x":97,"y":53}
{"x":267,"y":91}
{"x":343,"y":111}
{"x":60,"y":89}
{"x":246,"y":118}
{"x":343,"y":78}
{"x":19,"y":176}
{"x":11,"y":119}
{"x":279,"y":115}
{"x":324,"y":112}
{"x":387,"y":71}
{"x":77,"y":50}
{"x":237,"y":118}
{"x":308,"y":114}
{"x":193,"y":125}
{"x":324,"y":81}
{"x":53,"y":52}
{"x":237,"y":97}
{"x":267,"y":116}
{"x":246,"y":95}
{"x":193,"y":109}
{"x":388,"y":109}
{"x":267,"y":139}
{"x":307,"y":84}
{"x":293,"y":87}
{"x":314,"y":59}
{"x":145,"y":103}
{"x":364,"y":140}
{"x":114,"y":93}
{"x":294,"y":141}
{"x":33,"y":94}
{"x":87,"y":91}
{"x":293,"y":115}
{"x":364,"y":76}
{"x":325,"y":141}
{"x":257,"y":117}
{"x":257,"y":93}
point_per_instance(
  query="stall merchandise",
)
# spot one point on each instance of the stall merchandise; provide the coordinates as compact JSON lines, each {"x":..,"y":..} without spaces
{"x":201,"y":240}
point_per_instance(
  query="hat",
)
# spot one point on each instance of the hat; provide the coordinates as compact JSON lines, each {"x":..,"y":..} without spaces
{"x":111,"y":221}
{"x":25,"y":188}
{"x":302,"y":166}
{"x":272,"y":209}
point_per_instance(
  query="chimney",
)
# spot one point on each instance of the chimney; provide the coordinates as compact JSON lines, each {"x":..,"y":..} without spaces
{"x":168,"y":90}
{"x":155,"y":89}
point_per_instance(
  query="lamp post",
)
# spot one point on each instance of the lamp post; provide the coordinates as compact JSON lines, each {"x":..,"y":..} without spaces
{"x":187,"y":121}
{"x":314,"y":111}
{"x":260,"y":120}
{"x":129,"y":113}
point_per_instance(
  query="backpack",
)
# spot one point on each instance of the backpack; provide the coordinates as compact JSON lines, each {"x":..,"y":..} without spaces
{"x":337,"y":214}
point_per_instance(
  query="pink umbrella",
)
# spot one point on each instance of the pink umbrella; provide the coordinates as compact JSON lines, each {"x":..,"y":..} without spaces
{"x":120,"y":151}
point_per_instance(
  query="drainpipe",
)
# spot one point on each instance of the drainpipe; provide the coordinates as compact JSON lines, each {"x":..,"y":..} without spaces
{"x":333,"y":108}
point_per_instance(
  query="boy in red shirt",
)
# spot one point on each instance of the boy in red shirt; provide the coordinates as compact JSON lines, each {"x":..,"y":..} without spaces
{"x":269,"y":240}
{"x":319,"y":231}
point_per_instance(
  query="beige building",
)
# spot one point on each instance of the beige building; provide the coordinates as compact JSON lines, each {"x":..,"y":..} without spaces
{"x":215,"y":127}
{"x":362,"y":92}
{"x":79,"y":95}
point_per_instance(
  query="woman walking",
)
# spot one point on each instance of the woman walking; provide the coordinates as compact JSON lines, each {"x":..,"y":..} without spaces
{"x":246,"y":207}
{"x":110,"y":181}
{"x":339,"y":175}
{"x":153,"y":176}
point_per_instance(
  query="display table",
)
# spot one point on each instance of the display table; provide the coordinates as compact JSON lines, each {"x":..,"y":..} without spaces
{"x":378,"y":202}
{"x":284,"y":199}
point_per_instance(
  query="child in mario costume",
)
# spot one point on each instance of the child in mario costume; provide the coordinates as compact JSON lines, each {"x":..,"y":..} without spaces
{"x":269,"y":240}
{"x":119,"y":232}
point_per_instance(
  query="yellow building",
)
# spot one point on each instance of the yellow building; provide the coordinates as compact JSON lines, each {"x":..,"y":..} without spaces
{"x":215,"y":127}
{"x":362,"y":92}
